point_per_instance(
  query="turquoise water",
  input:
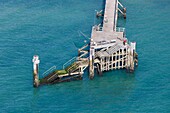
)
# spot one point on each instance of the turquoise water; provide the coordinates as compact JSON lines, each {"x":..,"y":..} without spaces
{"x":49,"y":29}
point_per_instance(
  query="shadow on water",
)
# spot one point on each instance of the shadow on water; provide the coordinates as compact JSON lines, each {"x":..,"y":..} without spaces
{"x":113,"y":87}
{"x":118,"y":80}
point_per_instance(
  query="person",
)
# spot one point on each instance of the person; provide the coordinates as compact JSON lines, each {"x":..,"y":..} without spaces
{"x":124,"y":42}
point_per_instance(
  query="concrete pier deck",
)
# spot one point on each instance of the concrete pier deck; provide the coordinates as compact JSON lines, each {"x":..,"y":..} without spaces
{"x":110,"y":15}
{"x":107,"y":34}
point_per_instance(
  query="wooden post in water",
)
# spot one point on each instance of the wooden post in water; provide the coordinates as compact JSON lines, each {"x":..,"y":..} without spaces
{"x":36,"y":62}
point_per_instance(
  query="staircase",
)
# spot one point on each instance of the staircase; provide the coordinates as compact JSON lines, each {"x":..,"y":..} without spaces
{"x":72,"y":68}
{"x":50,"y":77}
{"x":113,"y":49}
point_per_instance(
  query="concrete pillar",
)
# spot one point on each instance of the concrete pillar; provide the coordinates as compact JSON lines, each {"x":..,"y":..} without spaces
{"x":112,"y":62}
{"x":105,"y":64}
{"x":116,"y":61}
{"x":91,"y":63}
{"x":123,"y":60}
{"x":101,"y":64}
{"x":36,"y":62}
{"x":119,"y":60}
{"x":108,"y":62}
{"x":132,"y":50}
{"x":122,"y":57}
{"x":131,"y":61}
{"x":128,"y":58}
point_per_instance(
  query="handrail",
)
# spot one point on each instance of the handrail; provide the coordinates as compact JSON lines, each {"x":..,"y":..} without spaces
{"x":84,"y":53}
{"x":115,"y":13}
{"x":69,"y":62}
{"x":49,"y":70}
{"x":120,"y":29}
{"x":84,"y":47}
{"x":72,"y":67}
{"x":51,"y":76}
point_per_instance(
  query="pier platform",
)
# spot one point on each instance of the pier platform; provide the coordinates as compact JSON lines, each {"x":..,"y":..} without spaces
{"x":109,"y":44}
{"x":107,"y":50}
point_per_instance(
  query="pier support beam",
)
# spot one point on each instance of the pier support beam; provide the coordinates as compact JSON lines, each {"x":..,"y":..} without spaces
{"x":131,"y":57}
{"x":36,"y":62}
{"x":133,"y":50}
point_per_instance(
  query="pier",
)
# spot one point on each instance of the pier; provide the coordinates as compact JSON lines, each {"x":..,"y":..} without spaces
{"x":108,"y":49}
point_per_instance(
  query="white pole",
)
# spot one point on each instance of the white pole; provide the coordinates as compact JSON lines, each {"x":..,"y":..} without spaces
{"x":36,"y":62}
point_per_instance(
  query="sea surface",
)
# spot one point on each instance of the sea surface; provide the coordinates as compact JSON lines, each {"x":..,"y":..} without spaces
{"x":49,"y":28}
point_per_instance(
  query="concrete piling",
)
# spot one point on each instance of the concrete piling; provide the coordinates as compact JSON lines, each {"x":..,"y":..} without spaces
{"x":36,"y":62}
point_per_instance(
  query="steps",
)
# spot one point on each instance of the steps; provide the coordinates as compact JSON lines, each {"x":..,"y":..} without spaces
{"x":113,"y":49}
{"x":73,"y":67}
{"x":46,"y":80}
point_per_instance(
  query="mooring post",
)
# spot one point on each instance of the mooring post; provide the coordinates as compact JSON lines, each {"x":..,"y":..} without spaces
{"x":133,"y":50}
{"x":128,"y":59}
{"x":36,"y":62}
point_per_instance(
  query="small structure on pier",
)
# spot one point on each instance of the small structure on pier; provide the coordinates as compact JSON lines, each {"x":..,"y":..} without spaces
{"x":109,"y":49}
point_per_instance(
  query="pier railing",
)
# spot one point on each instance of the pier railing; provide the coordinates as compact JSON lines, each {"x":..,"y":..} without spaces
{"x":97,"y":28}
{"x":120,"y":29}
{"x":53,"y":68}
{"x":68,"y":63}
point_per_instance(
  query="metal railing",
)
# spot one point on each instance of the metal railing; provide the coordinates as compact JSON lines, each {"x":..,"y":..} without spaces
{"x":120,"y":29}
{"x":49,"y":70}
{"x":69,"y":62}
{"x":97,"y":28}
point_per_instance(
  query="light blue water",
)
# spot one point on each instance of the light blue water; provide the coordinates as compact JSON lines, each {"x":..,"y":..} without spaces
{"x":49,"y":29}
